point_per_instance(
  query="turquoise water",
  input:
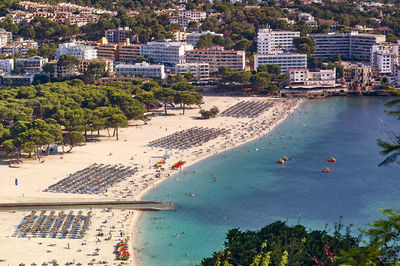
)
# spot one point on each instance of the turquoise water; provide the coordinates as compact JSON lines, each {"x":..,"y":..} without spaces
{"x":245,"y":188}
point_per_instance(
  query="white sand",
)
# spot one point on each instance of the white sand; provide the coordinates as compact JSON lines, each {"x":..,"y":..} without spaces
{"x":130,"y":150}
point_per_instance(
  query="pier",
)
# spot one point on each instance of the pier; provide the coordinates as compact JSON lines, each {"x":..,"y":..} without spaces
{"x":113,"y":204}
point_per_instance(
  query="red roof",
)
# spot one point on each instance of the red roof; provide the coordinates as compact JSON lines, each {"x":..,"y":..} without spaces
{"x":216,"y":51}
{"x":298,"y":69}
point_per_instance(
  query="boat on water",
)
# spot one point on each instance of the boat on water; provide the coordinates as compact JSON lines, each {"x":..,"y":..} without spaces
{"x":285,"y":158}
{"x":281,"y":161}
{"x":332,"y":160}
{"x":326,"y":170}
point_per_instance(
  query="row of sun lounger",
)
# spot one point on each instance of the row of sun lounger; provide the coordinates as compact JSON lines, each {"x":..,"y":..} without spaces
{"x":249,"y":109}
{"x":60,"y":226}
{"x":94,"y":179}
{"x":189,"y":138}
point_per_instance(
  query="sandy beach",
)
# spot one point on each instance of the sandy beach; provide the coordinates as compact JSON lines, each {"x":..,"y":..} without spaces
{"x":110,"y":226}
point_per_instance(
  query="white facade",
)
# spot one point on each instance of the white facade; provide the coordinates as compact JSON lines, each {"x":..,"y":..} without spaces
{"x":33,"y":64}
{"x":80,"y":51}
{"x":20,"y":46}
{"x":183,"y":22}
{"x":310,"y":21}
{"x":194,"y":15}
{"x":285,"y":60}
{"x":385,"y":56}
{"x":117,"y":35}
{"x":351,"y":46}
{"x":5,"y":37}
{"x":326,"y":77}
{"x":165,"y":52}
{"x":6,"y":65}
{"x":141,"y":69}
{"x":199,"y":70}
{"x":193,"y":38}
{"x":269,"y":41}
{"x":298,"y":75}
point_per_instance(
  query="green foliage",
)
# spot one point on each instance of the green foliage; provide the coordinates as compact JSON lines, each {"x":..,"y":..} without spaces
{"x":166,"y":96}
{"x":267,"y":79}
{"x":209,"y":40}
{"x":305,"y":45}
{"x":40,"y":28}
{"x":31,"y":117}
{"x":73,"y":139}
{"x":95,"y":71}
{"x":207,"y":114}
{"x":391,"y":148}
{"x":280,"y":244}
{"x":67,"y":60}
{"x":383,"y":246}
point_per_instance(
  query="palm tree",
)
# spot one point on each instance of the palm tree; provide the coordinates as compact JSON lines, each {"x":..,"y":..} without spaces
{"x":391,"y":148}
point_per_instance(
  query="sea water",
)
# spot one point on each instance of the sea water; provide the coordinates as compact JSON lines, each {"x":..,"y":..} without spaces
{"x":245,"y":188}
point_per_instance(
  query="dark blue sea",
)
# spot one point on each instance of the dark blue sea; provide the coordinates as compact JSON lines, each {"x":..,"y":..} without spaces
{"x":245,"y":188}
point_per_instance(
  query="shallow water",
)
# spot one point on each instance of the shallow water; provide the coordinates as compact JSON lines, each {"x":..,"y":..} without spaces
{"x":245,"y":188}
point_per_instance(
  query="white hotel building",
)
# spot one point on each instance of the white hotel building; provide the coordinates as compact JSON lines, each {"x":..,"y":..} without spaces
{"x":80,"y":51}
{"x":385,"y":56}
{"x":165,"y":52}
{"x":5,"y":37}
{"x":199,"y":70}
{"x":302,"y":76}
{"x":351,"y":46}
{"x":141,"y":69}
{"x":6,"y":65}
{"x":269,"y":41}
{"x":286,"y":61}
{"x":193,"y":15}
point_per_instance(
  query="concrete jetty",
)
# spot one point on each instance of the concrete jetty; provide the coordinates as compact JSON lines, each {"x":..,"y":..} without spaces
{"x":92,"y":204}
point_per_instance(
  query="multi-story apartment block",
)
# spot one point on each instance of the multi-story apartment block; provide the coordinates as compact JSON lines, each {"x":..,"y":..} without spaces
{"x":310,"y":21}
{"x":63,"y":71}
{"x":117,"y":35}
{"x":193,"y":38}
{"x":84,"y":65}
{"x":80,"y":51}
{"x":199,"y":70}
{"x":286,"y":61}
{"x":106,"y":50}
{"x":217,"y":58}
{"x":193,"y":15}
{"x":385,"y":56}
{"x":183,"y":22}
{"x":6,"y":65}
{"x":62,"y":7}
{"x":16,"y":80}
{"x":128,"y":52}
{"x":269,"y":41}
{"x":141,"y":69}
{"x":165,"y":52}
{"x":180,"y":35}
{"x":5,"y":37}
{"x":80,"y":20}
{"x":360,"y":77}
{"x":33,"y":64}
{"x":352,"y":46}
{"x":61,"y":13}
{"x":302,"y":76}
{"x":20,"y":46}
